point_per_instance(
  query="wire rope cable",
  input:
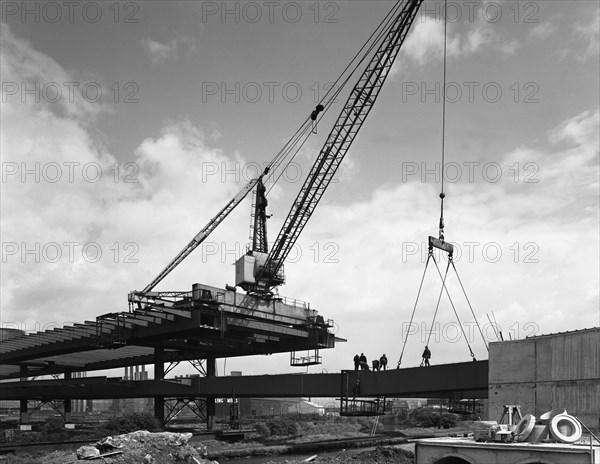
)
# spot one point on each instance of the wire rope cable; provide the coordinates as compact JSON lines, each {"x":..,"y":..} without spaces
{"x":454,"y":308}
{"x":414,"y":310}
{"x":294,"y":145}
{"x":437,"y":306}
{"x":443,"y":165}
{"x":471,"y":307}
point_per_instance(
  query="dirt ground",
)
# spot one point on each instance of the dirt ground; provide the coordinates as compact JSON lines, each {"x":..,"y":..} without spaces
{"x":133,"y":448}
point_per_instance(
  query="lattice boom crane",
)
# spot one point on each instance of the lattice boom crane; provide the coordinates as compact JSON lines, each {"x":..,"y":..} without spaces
{"x":259,"y":272}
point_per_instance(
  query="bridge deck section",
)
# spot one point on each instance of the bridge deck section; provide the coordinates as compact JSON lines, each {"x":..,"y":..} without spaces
{"x":460,"y":380}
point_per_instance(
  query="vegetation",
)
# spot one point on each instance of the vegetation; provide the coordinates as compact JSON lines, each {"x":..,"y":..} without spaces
{"x":428,"y":417}
{"x":316,"y":427}
{"x":131,"y":422}
{"x":54,"y":430}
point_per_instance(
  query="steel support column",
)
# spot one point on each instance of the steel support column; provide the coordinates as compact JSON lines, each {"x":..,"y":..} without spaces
{"x":211,"y":370}
{"x":24,"y":417}
{"x":159,"y":374}
{"x":67,"y":402}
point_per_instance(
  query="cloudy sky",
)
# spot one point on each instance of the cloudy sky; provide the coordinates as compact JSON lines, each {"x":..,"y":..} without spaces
{"x":126,"y":127}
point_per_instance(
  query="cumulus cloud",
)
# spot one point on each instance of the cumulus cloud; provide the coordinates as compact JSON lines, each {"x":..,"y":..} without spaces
{"x":81,"y":229}
{"x":590,"y":33}
{"x":542,"y":30}
{"x":425,"y":42}
{"x":33,"y":78}
{"x":159,"y":52}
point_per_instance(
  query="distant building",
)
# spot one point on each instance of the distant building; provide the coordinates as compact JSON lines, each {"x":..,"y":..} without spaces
{"x":307,"y":407}
{"x":266,"y":407}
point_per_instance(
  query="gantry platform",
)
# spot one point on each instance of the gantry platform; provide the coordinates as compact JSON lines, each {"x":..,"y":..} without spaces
{"x":206,"y":323}
{"x":160,"y":327}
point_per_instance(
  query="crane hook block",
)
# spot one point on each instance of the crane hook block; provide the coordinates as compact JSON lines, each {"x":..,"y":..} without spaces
{"x":316,"y":112}
{"x":444,"y":246}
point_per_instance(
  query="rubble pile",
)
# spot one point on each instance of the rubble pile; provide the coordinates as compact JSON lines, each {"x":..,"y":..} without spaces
{"x":144,"y":447}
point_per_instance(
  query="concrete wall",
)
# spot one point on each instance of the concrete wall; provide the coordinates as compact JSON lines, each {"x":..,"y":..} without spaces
{"x":547,"y":372}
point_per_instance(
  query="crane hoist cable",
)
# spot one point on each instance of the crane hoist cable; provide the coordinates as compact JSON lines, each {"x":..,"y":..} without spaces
{"x":442,"y":194}
{"x":330,"y":97}
{"x":441,"y":242}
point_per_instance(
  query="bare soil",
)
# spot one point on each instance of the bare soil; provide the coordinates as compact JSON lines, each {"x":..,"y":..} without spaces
{"x":135,"y":448}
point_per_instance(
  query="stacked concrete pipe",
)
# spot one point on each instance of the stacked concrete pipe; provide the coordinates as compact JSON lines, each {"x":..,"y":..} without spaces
{"x":557,"y":425}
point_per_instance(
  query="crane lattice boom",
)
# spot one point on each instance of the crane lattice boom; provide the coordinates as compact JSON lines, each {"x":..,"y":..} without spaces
{"x":353,"y":115}
{"x":205,"y":232}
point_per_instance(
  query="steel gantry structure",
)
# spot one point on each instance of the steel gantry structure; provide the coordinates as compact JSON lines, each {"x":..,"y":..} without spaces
{"x":205,"y":324}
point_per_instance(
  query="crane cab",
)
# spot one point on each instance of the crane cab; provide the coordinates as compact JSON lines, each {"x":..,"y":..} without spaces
{"x":250,"y":266}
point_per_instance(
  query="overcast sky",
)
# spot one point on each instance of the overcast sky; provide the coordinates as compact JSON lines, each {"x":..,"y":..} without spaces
{"x":126,"y":127}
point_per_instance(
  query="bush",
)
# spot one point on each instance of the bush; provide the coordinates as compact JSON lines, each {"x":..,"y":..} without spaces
{"x":402,"y":414}
{"x":130,"y":422}
{"x":54,"y":430}
{"x":308,"y":427}
{"x":262,"y":429}
{"x":427,"y":417}
{"x":283,"y":427}
{"x":366,"y":425}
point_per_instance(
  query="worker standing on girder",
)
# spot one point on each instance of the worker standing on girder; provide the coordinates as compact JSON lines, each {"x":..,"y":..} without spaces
{"x":383,"y":362}
{"x":363,"y":362}
{"x":426,"y":355}
{"x":375,"y":364}
{"x":356,"y":362}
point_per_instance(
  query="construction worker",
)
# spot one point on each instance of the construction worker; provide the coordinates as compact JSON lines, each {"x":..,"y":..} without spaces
{"x":375,"y":364}
{"x":426,"y":355}
{"x":356,"y":362}
{"x":363,"y":362}
{"x":356,"y":387}
{"x":383,"y":362}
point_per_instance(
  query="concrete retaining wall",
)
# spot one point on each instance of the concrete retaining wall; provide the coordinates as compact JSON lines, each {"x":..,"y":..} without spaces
{"x":547,"y":372}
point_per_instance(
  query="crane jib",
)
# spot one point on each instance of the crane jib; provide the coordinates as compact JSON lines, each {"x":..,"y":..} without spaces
{"x":205,"y":232}
{"x":354,"y":113}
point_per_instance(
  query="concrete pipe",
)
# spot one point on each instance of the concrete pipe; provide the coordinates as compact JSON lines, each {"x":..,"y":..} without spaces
{"x":547,"y":416}
{"x":565,"y":428}
{"x":524,"y":428}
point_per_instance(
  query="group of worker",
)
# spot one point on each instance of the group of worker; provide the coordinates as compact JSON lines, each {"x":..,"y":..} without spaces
{"x":360,"y":362}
